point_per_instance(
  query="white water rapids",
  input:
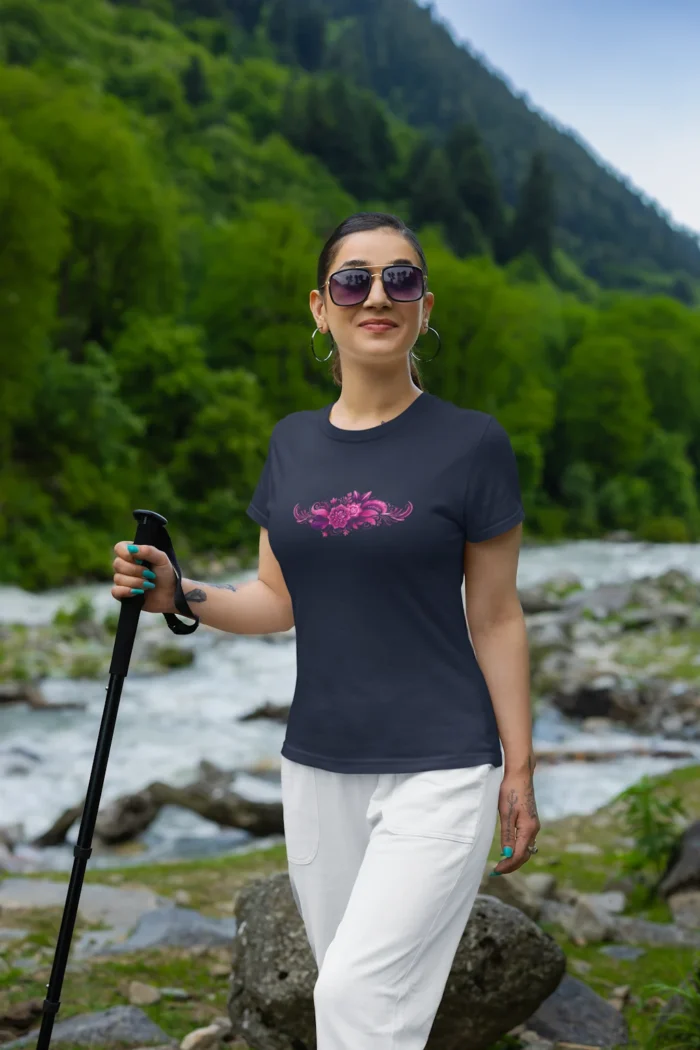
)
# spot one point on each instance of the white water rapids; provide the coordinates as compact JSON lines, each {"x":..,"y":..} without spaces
{"x":168,"y":722}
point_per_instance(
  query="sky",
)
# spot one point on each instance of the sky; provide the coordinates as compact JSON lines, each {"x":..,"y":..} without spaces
{"x":624,"y":74}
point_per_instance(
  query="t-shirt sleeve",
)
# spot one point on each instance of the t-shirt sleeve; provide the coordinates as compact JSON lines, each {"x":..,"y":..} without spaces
{"x":259,"y":507}
{"x":493,"y":502}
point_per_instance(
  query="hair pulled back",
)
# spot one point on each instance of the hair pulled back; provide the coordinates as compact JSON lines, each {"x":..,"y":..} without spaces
{"x":361,"y":222}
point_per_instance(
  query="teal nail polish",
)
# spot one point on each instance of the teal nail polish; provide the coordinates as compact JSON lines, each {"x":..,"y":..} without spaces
{"x":138,"y":561}
{"x":507,"y":851}
{"x":495,"y":873}
{"x":136,"y":590}
{"x":149,"y":575}
{"x":132,"y":548}
{"x":147,"y":583}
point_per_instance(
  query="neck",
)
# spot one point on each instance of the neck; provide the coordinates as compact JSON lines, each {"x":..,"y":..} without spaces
{"x":368,"y":397}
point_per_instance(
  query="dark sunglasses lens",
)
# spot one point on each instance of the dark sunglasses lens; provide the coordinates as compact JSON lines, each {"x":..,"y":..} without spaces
{"x":349,"y":287}
{"x":404,"y":284}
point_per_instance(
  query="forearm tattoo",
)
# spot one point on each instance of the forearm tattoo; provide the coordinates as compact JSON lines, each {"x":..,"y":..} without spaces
{"x":198,"y":595}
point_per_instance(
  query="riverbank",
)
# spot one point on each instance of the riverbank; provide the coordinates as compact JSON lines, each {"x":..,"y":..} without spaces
{"x":581,"y":853}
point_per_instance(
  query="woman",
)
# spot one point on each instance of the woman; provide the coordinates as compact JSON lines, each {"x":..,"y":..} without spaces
{"x":405,"y":737}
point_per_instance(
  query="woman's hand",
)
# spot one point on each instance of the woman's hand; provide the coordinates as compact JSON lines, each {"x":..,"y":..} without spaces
{"x":519,"y":821}
{"x":159,"y":585}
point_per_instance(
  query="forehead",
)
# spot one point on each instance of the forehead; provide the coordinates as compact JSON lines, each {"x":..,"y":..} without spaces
{"x":375,"y":248}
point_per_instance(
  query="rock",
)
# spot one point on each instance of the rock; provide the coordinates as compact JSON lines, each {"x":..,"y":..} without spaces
{"x":175,"y":993}
{"x":583,"y":693}
{"x":125,"y":1023}
{"x":613,"y":901}
{"x":596,"y":724}
{"x":202,"y":1038}
{"x":29,"y":693}
{"x":275,"y":712}
{"x":685,"y":908}
{"x":119,"y":908}
{"x":600,"y":601}
{"x":589,"y":922}
{"x":541,"y":884}
{"x":176,"y":928}
{"x":580,"y":966}
{"x":19,"y":1018}
{"x":623,"y":952}
{"x":182,"y":897}
{"x":633,"y":930}
{"x":271,"y":1001}
{"x":512,"y":890}
{"x":575,"y":1014}
{"x":683,"y":867}
{"x":143,"y":994}
{"x":533,"y":601}
{"x":585,"y":848}
{"x":126,"y":818}
{"x":219,"y":970}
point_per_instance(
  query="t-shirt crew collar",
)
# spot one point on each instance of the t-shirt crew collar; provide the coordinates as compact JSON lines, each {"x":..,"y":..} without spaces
{"x":403,"y":419}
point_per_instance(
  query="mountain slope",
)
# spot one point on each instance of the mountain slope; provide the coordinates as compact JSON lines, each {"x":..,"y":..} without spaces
{"x":400,"y":51}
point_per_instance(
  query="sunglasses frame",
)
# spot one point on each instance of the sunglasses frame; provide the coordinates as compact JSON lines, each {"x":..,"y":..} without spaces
{"x":371,"y":271}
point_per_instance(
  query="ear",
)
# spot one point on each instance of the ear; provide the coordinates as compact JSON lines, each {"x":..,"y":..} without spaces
{"x":428,"y":300}
{"x":318,"y":309}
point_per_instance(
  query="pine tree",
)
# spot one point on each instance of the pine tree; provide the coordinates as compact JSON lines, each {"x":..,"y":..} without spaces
{"x":434,"y":199}
{"x":474,"y":178}
{"x":532,"y":229}
{"x":194,"y":83}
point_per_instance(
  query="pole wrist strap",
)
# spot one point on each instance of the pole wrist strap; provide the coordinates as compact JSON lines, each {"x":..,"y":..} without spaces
{"x":175,"y":625}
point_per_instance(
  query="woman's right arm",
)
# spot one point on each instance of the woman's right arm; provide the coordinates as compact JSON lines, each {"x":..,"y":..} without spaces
{"x":260,"y":606}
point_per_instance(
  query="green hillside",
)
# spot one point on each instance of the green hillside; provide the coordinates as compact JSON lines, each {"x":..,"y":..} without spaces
{"x":168,"y":171}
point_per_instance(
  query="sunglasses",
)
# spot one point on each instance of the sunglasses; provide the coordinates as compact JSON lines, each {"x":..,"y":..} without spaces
{"x":402,"y":283}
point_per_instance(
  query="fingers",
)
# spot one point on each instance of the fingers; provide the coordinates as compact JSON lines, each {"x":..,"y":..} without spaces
{"x":516,"y":845}
{"x":128,"y":574}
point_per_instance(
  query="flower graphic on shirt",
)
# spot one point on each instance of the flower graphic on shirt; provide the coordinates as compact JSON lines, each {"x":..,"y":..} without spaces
{"x":341,"y":516}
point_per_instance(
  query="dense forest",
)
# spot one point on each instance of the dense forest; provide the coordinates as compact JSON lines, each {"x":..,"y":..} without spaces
{"x":164,"y":163}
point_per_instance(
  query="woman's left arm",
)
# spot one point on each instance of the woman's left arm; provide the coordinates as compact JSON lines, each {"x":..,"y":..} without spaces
{"x":499,"y":637}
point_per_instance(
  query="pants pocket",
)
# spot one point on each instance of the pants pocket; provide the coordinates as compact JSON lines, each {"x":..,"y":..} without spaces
{"x":299,"y":810}
{"x":438,"y":803}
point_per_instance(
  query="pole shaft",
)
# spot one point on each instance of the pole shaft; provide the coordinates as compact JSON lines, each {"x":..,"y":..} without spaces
{"x":82,"y":852}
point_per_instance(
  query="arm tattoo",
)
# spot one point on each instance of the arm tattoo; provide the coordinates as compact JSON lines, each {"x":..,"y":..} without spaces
{"x":198,"y":595}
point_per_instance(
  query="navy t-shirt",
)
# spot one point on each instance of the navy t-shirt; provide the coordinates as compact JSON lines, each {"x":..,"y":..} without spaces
{"x":369,"y":527}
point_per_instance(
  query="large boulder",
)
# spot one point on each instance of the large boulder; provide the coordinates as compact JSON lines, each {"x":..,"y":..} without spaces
{"x":274,"y":973}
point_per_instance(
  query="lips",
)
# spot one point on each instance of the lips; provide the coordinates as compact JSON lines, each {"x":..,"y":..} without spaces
{"x":378,"y":324}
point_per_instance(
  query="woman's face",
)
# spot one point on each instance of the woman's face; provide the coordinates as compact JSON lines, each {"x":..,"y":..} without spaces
{"x":379,"y":328}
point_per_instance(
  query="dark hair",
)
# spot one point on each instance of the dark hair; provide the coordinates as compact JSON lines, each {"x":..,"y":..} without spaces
{"x":360,"y":222}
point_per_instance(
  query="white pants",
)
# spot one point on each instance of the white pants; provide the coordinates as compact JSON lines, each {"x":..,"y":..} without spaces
{"x":384,"y":869}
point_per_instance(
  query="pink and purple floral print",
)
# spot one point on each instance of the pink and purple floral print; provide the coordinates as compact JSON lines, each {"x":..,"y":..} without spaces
{"x":339,"y":517}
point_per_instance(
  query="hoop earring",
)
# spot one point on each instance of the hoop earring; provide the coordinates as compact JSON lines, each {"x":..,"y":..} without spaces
{"x":437,"y":351}
{"x":313,"y":348}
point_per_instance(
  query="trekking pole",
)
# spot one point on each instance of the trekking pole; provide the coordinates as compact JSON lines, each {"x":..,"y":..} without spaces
{"x":149,"y":530}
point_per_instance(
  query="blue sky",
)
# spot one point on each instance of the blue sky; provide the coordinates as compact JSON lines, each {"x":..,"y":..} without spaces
{"x":625,"y":74}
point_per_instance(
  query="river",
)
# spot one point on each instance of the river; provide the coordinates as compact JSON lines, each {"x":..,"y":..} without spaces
{"x":169,"y":722}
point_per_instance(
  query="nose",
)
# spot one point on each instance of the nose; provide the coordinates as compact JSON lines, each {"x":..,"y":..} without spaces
{"x":377,"y":296}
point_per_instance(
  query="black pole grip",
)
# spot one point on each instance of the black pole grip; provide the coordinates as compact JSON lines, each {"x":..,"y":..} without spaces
{"x":150,"y":530}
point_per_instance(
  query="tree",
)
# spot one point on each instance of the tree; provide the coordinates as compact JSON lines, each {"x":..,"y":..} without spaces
{"x":434,"y":199}
{"x":604,"y":408}
{"x":122,"y":249}
{"x":32,"y":244}
{"x":194,"y":83}
{"x":532,"y":229}
{"x":474,"y":178}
